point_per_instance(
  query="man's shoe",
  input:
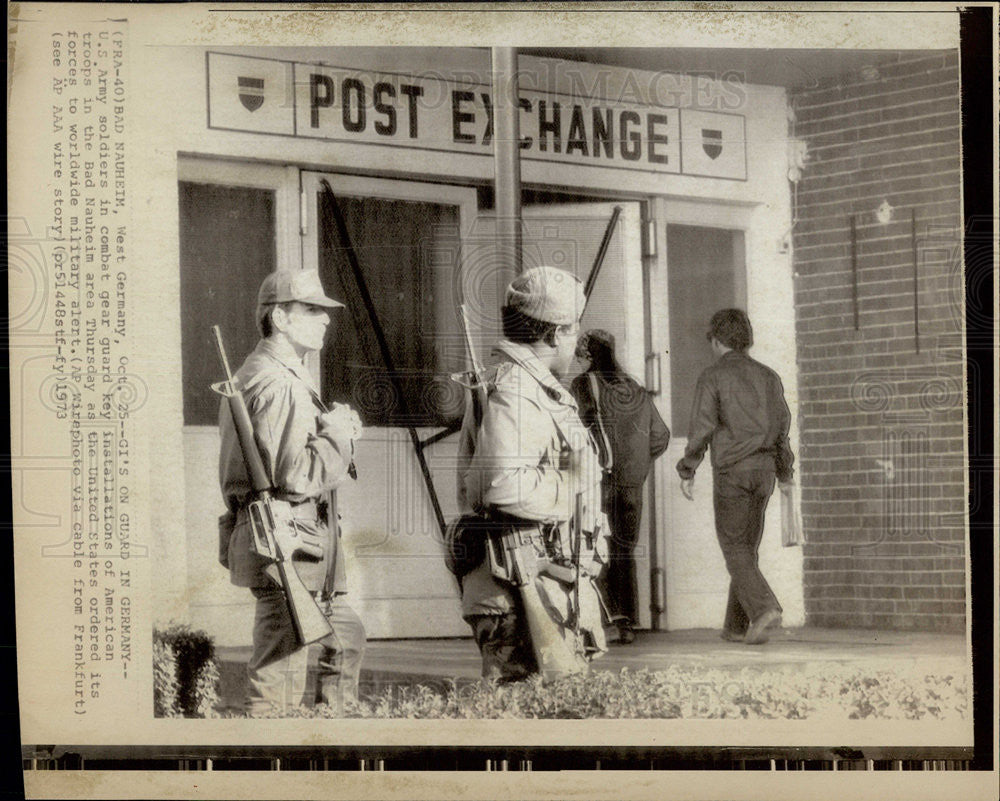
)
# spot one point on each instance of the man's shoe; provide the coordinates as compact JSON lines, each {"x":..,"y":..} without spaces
{"x":757,"y":634}
{"x":732,"y":636}
{"x":625,"y":635}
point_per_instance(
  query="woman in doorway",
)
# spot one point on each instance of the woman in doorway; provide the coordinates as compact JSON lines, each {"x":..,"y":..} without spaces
{"x":630,"y":434}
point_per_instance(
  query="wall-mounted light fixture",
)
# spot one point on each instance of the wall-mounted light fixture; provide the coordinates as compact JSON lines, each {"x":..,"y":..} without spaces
{"x":798,"y":155}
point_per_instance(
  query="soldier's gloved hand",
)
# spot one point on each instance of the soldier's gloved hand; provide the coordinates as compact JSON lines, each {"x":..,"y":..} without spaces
{"x":342,"y":421}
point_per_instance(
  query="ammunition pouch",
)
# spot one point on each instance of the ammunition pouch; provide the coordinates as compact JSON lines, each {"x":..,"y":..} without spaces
{"x":465,"y":543}
{"x":313,"y":541}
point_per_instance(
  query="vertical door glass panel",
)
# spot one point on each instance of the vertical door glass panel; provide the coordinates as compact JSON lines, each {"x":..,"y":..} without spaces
{"x":407,"y":252}
{"x":706,"y":271}
{"x":227,"y":246}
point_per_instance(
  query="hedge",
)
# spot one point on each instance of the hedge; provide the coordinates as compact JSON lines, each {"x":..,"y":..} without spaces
{"x":791,"y":693}
{"x":185,"y":672}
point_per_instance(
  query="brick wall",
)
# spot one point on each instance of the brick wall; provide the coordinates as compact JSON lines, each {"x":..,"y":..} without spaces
{"x":881,"y":460}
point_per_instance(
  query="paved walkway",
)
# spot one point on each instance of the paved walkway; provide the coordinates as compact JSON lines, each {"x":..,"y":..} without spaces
{"x":659,"y":650}
{"x":394,"y":662}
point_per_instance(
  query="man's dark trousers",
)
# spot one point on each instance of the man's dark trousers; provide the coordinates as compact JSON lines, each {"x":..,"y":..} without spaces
{"x":740,"y":497}
{"x":624,"y":516}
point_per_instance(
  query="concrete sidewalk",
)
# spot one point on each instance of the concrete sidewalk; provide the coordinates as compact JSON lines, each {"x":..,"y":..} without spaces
{"x":395,"y":662}
{"x":659,"y":650}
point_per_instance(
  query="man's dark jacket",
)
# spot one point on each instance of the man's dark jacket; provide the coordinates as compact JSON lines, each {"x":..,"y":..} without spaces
{"x":636,"y":432}
{"x":739,"y":407}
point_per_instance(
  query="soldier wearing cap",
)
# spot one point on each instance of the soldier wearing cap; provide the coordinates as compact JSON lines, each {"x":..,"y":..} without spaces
{"x":307,"y":450}
{"x":526,"y":461}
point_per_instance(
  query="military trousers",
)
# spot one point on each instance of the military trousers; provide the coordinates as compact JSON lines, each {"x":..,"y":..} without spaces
{"x":283,"y":674}
{"x":740,"y":498}
{"x":505,"y":646}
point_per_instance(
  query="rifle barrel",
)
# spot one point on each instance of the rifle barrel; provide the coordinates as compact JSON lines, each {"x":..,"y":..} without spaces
{"x":222,"y":353}
{"x":602,"y":251}
{"x":256,"y":471}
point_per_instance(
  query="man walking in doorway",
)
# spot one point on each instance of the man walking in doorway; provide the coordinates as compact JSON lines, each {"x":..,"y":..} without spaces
{"x":739,"y":409}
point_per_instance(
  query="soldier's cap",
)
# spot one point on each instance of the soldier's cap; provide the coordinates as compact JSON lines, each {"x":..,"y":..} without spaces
{"x":285,"y":286}
{"x":547,"y":294}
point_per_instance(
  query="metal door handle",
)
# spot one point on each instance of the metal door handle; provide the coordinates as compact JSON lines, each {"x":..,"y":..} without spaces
{"x":653,"y":373}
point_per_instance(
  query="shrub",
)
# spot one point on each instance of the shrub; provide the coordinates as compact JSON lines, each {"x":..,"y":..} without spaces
{"x":185,"y":672}
{"x":790,"y":693}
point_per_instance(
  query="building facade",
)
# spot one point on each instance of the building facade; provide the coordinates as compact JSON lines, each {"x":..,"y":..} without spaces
{"x":731,"y":193}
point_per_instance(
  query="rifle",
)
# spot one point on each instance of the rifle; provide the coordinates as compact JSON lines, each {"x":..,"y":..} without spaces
{"x":275,"y":536}
{"x":479,"y":391}
{"x":602,"y":251}
{"x":512,"y":558}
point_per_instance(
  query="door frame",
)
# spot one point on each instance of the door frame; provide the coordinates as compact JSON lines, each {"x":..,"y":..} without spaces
{"x":386,"y":610}
{"x":464,"y":197}
{"x":282,"y":180}
{"x":666,"y":211}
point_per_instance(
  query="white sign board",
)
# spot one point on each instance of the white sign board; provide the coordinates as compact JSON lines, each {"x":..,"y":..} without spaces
{"x":429,"y":112}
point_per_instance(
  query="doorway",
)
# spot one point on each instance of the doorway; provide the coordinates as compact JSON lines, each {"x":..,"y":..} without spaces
{"x":701,"y":267}
{"x":407,"y":239}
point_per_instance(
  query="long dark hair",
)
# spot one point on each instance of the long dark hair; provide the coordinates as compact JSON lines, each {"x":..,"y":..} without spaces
{"x":598,"y":346}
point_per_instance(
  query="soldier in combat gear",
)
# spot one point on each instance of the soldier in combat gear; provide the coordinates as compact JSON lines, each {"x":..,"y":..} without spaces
{"x":307,"y":451}
{"x":523,"y":466}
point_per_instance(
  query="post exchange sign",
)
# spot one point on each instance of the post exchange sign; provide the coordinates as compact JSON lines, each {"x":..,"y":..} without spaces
{"x":431,"y":112}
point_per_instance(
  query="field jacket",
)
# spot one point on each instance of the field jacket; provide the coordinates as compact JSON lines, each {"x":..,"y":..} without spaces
{"x":515,"y":462}
{"x":304,"y":460}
